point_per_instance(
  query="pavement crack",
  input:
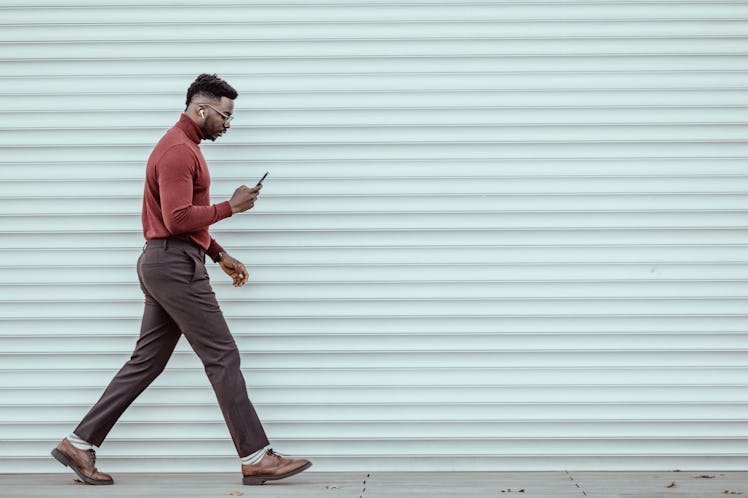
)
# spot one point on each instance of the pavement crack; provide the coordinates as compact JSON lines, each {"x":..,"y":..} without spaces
{"x":363,"y":486}
{"x":576,"y":483}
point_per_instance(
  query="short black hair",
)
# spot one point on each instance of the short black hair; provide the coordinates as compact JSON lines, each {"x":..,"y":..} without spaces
{"x":212,"y":87}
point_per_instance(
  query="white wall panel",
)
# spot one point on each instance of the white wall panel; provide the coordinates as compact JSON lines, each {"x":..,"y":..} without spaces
{"x":512,"y":230}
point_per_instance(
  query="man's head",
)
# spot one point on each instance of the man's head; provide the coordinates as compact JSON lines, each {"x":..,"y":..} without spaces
{"x":210,"y":104}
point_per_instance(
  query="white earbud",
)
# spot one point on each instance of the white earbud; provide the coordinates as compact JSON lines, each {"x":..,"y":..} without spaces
{"x":202,"y":114}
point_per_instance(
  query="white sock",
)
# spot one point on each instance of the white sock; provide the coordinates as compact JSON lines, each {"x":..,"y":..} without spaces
{"x":254,"y":457}
{"x":79,"y":443}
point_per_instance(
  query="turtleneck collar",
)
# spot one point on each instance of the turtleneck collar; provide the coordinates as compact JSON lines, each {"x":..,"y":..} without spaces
{"x":190,"y":129}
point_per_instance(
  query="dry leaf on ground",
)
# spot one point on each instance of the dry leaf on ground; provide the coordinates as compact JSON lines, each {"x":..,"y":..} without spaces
{"x":705,"y":476}
{"x":672,"y":485}
{"x":234,"y":492}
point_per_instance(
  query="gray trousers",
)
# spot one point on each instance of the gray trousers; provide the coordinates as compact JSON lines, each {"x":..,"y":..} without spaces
{"x":179,"y":300}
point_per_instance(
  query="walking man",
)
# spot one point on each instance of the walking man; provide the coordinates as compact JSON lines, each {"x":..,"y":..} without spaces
{"x":178,"y":296}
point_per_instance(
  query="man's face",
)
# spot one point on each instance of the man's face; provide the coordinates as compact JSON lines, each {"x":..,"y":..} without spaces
{"x":214,"y":125}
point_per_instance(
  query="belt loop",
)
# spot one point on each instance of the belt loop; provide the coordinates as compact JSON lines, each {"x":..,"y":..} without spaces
{"x":166,"y":244}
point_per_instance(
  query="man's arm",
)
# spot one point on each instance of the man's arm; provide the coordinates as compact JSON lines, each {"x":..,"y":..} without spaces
{"x":243,"y":200}
{"x":175,"y":183}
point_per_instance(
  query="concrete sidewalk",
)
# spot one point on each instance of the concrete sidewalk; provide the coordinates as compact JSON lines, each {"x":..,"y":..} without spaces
{"x":391,"y":485}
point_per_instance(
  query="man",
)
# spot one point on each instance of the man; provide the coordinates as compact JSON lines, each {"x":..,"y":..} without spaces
{"x":178,"y":297}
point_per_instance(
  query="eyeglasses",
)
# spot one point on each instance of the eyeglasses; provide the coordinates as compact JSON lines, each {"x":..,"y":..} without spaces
{"x":226,"y":117}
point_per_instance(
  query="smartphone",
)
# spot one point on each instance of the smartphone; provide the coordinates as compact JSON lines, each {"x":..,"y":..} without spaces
{"x":263,"y":177}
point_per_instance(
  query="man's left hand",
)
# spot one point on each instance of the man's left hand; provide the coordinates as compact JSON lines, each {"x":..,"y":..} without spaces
{"x":234,"y":269}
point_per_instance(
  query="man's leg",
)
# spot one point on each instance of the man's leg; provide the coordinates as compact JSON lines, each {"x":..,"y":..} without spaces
{"x":158,"y":338}
{"x":189,"y":299}
{"x":183,"y":289}
{"x":209,"y":335}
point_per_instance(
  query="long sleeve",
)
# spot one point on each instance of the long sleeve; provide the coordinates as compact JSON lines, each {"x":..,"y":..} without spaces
{"x":176,"y":176}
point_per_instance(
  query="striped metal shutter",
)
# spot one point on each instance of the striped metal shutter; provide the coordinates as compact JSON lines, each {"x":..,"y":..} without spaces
{"x":495,"y":234}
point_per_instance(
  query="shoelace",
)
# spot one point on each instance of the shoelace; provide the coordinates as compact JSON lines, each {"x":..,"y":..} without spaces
{"x":93,"y":456}
{"x":272,"y":452}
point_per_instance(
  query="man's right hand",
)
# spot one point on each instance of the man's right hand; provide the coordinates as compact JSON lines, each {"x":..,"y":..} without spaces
{"x":244,"y":198}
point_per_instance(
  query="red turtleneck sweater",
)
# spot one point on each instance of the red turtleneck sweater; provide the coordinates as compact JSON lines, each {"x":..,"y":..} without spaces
{"x":176,"y":202}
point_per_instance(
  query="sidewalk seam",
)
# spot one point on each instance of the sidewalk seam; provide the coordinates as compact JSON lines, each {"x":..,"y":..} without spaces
{"x":576,"y":483}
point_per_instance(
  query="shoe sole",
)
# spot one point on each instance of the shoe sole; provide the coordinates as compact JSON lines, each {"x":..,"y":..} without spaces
{"x":60,"y":457}
{"x":257,"y":480}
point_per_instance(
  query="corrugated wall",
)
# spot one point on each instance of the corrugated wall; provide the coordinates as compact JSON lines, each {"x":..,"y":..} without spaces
{"x":495,"y":235}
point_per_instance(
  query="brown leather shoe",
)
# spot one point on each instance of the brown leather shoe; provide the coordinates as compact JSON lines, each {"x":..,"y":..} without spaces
{"x":273,"y":467}
{"x":83,"y":463}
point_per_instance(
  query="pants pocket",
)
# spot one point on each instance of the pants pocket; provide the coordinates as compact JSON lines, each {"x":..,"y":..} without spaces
{"x":199,"y":272}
